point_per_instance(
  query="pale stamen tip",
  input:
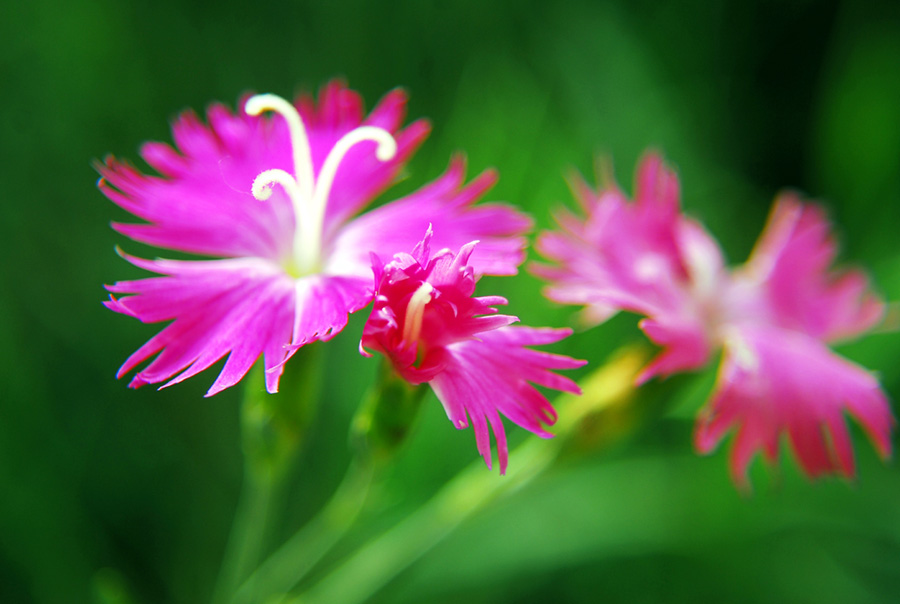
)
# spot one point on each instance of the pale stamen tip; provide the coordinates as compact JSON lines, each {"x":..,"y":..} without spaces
{"x":415,"y":313}
{"x":258,"y":103}
{"x":262,"y":190}
{"x":387,"y":148}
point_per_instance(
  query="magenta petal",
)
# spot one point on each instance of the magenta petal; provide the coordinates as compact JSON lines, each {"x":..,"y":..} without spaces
{"x":240,"y":308}
{"x":623,"y":255}
{"x":492,"y":376}
{"x":206,"y":206}
{"x":685,"y":347}
{"x":793,"y":259}
{"x":657,"y":190}
{"x":324,"y":303}
{"x":775,"y":381}
{"x":361,"y":176}
{"x":448,"y":207}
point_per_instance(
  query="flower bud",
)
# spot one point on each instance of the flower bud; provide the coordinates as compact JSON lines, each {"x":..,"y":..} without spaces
{"x":386,"y":415}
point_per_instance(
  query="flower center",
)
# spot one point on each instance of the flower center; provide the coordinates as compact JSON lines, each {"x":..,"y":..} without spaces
{"x":415,"y":313}
{"x":308,"y":194}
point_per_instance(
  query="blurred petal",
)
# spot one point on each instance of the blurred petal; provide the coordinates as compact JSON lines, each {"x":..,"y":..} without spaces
{"x":792,"y":261}
{"x":773,"y":316}
{"x":623,"y":255}
{"x":775,"y":381}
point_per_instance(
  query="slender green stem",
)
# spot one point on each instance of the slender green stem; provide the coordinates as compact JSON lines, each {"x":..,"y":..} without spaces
{"x":384,"y":418}
{"x":284,"y":569}
{"x":377,"y":562}
{"x":273,"y":427}
{"x":248,"y":533}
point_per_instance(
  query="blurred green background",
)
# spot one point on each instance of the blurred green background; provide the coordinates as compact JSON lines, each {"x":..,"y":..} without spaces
{"x":114,"y":495}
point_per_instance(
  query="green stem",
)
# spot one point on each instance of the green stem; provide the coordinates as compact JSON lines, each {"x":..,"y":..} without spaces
{"x":383,"y":558}
{"x":382,"y":423}
{"x":284,"y":569}
{"x":248,"y":532}
{"x":273,"y":427}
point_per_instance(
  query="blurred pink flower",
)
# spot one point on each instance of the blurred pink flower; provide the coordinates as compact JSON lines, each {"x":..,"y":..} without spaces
{"x":274,"y":201}
{"x":773,"y":317}
{"x":427,"y":323}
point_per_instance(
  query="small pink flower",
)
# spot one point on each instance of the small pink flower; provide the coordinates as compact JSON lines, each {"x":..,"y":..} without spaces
{"x":274,"y":201}
{"x":773,"y":317}
{"x":427,"y":323}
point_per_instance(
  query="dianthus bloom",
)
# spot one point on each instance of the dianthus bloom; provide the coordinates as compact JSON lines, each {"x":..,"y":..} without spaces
{"x":427,"y":323}
{"x":773,"y":317}
{"x":273,"y":200}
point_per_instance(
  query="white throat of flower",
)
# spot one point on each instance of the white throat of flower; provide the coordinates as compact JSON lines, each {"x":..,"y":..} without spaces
{"x":308,"y":195}
{"x":415,"y":313}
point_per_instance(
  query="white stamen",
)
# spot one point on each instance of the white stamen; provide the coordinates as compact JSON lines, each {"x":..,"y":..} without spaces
{"x":303,"y":168}
{"x":415,"y":313}
{"x":309,"y":197}
{"x":262,"y":185}
{"x":387,"y":148}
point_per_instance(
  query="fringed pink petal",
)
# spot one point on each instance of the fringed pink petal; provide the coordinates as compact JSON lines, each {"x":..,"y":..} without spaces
{"x":625,"y":256}
{"x":448,"y":207}
{"x":685,"y":347}
{"x":218,"y":308}
{"x":492,"y":376}
{"x":792,"y":261}
{"x":361,"y":177}
{"x":205,"y":205}
{"x":324,"y":304}
{"x":775,"y":382}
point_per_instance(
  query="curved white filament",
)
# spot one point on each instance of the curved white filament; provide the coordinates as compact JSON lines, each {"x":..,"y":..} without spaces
{"x":415,"y":313}
{"x":262,"y":185}
{"x":303,"y":168}
{"x":309,"y":196}
{"x":386,"y":150}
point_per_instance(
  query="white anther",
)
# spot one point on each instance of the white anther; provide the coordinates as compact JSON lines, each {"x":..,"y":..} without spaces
{"x":386,"y":150}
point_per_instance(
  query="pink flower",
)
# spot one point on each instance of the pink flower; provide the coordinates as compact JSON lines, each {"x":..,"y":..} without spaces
{"x":427,"y":323}
{"x":773,"y":317}
{"x":274,"y":201}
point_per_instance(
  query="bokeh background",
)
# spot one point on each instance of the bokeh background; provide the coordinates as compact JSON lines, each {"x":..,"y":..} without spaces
{"x":114,"y":495}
